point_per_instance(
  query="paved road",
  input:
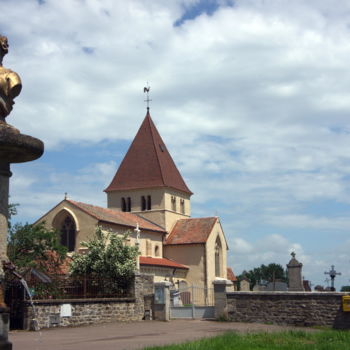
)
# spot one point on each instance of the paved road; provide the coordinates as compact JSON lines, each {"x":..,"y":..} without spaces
{"x":127,"y":336}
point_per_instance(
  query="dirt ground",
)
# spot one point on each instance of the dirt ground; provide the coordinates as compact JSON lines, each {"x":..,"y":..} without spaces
{"x":128,"y":336}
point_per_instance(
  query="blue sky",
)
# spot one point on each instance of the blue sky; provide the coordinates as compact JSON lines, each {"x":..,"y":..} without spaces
{"x":251,"y":98}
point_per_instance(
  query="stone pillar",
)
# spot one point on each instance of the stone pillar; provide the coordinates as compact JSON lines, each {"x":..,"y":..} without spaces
{"x":5,"y":174}
{"x":295,"y":281}
{"x":221,"y":298}
{"x":162,"y":301}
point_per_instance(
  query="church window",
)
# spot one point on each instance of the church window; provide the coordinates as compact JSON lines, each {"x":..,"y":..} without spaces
{"x":128,"y":204}
{"x":149,"y":203}
{"x":68,"y":231}
{"x":123,"y":204}
{"x":143,"y":203}
{"x":182,"y":206}
{"x":218,"y":258}
{"x":156,"y":250}
{"x":148,"y":247}
{"x":173,"y":203}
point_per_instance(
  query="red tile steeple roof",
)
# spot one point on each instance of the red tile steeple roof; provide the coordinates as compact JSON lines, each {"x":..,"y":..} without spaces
{"x":147,"y":163}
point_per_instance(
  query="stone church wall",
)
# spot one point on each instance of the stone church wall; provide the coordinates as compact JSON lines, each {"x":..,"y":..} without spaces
{"x":51,"y":313}
{"x":288,"y":308}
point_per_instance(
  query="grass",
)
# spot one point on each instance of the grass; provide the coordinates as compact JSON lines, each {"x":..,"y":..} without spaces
{"x":290,"y":340}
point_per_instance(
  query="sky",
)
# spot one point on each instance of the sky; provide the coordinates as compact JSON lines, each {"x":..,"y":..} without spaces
{"x":251,"y":97}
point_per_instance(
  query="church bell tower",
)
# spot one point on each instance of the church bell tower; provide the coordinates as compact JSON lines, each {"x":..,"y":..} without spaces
{"x":148,"y":182}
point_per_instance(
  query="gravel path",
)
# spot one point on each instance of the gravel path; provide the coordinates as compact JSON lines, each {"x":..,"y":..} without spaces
{"x":129,"y":336}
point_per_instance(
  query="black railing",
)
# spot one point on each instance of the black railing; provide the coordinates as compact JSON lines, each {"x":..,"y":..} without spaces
{"x":62,"y":287}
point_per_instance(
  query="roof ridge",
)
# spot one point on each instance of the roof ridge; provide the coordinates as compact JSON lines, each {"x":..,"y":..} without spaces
{"x":147,"y":163}
{"x":150,"y":121}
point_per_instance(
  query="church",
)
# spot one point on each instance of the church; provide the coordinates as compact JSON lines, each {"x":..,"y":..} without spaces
{"x":149,"y":192}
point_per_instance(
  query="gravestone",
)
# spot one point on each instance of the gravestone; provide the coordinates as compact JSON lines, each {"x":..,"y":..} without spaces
{"x":245,"y":285}
{"x":295,"y":281}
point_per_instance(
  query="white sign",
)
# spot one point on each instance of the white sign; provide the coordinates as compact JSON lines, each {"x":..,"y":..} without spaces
{"x":66,"y":310}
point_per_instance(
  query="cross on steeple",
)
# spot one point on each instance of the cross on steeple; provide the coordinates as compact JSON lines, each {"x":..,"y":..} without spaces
{"x":146,"y":90}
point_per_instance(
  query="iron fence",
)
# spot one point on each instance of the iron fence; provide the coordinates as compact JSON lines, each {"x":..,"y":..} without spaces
{"x":62,"y":287}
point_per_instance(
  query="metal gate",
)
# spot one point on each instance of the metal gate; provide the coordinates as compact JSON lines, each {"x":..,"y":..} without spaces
{"x":15,"y":300}
{"x":192,"y":302}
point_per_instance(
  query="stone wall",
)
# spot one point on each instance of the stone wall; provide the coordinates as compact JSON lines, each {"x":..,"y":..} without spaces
{"x":288,"y":308}
{"x":74,"y":312}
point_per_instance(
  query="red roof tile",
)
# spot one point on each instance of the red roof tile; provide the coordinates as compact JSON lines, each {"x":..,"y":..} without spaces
{"x":230,"y":275}
{"x":144,"y":260}
{"x":147,"y":163}
{"x":189,"y":231}
{"x":116,"y":217}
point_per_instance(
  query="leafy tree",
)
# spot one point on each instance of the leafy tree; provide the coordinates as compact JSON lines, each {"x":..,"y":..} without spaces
{"x":107,"y":256}
{"x":267,"y":273}
{"x":12,"y":210}
{"x":36,"y":246}
{"x":345,"y":289}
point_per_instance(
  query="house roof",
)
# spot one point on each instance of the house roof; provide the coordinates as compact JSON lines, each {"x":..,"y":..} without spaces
{"x":144,"y":260}
{"x":191,"y":231}
{"x":116,"y":217}
{"x":147,"y":163}
{"x":230,"y":275}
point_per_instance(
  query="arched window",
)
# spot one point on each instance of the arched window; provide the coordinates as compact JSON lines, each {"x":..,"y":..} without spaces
{"x":149,"y":203}
{"x":143,"y":203}
{"x":218,"y":257}
{"x":173,"y":203}
{"x":68,"y":232}
{"x":123,"y":204}
{"x":128,"y":204}
{"x":156,"y":251}
{"x":182,"y":206}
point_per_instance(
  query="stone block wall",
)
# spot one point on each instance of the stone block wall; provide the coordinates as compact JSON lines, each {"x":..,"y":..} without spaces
{"x":288,"y":308}
{"x":50,"y":313}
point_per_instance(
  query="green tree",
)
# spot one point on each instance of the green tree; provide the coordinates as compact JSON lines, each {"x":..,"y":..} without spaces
{"x":267,"y":273}
{"x":12,"y":210}
{"x":36,"y":246}
{"x":345,"y":289}
{"x":108,"y":256}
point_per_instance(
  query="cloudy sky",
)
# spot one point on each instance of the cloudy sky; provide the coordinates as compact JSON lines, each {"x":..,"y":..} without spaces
{"x":252,"y":98}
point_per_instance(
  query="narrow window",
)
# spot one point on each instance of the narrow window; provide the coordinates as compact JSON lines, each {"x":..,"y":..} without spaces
{"x":68,"y":231}
{"x":182,"y":206}
{"x":128,"y":206}
{"x":123,"y":204}
{"x":148,"y":247}
{"x":173,"y":203}
{"x":149,"y":203}
{"x":218,"y":257}
{"x":143,"y":203}
{"x":156,"y":251}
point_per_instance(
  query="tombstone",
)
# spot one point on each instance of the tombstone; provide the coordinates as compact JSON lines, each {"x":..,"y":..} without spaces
{"x":295,"y":281}
{"x":276,"y":286}
{"x":245,"y":285}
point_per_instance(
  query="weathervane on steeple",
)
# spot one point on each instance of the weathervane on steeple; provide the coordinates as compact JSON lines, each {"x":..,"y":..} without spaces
{"x":146,"y":90}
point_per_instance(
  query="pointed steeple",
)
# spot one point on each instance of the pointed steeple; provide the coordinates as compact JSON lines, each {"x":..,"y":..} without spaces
{"x":147,"y":164}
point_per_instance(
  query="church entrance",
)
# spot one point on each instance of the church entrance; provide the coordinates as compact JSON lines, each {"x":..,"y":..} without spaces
{"x":192,"y":302}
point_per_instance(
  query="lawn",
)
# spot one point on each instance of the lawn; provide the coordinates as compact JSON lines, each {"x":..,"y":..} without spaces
{"x":291,"y":340}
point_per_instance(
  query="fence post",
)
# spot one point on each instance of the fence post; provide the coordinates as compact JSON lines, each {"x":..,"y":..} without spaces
{"x":162,"y":301}
{"x":221,"y":298}
{"x":193,"y":307}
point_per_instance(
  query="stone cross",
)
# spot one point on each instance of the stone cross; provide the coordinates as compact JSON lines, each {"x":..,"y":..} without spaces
{"x":137,"y":243}
{"x":332,"y":273}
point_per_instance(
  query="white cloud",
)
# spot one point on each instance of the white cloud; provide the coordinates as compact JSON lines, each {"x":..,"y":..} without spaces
{"x":252,"y":102}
